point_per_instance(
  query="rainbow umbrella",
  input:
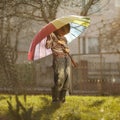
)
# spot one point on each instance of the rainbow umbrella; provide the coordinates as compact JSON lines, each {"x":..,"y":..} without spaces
{"x":77,"y":25}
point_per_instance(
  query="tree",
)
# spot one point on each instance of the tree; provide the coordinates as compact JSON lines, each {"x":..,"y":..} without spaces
{"x":17,"y":15}
{"x":84,"y":7}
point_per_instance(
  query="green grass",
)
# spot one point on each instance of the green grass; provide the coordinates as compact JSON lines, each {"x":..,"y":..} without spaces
{"x":39,"y":107}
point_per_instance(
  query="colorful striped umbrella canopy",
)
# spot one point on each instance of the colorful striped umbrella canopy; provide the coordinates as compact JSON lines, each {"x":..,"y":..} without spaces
{"x":77,"y":25}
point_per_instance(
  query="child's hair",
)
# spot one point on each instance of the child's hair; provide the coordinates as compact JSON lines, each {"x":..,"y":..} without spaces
{"x":65,"y":28}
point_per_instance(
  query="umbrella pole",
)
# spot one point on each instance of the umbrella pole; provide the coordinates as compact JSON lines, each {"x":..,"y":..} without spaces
{"x":73,"y":62}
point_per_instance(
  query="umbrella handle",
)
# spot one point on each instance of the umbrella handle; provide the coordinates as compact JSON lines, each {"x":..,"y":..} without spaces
{"x":73,"y":62}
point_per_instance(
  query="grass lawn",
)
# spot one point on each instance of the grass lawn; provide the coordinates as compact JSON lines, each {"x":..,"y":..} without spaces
{"x":39,"y":107}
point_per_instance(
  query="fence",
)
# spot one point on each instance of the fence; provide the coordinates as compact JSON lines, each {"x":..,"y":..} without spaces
{"x":95,"y":75}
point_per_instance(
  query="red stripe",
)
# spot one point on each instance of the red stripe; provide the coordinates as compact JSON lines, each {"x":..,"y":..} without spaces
{"x":44,"y":32}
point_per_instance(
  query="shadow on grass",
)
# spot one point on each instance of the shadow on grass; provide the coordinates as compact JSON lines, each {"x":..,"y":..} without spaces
{"x":97,"y":103}
{"x":51,"y":111}
{"x":47,"y":111}
{"x":3,"y":98}
{"x":21,"y":112}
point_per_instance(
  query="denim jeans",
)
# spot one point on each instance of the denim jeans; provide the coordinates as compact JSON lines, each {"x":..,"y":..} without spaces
{"x":61,"y":81}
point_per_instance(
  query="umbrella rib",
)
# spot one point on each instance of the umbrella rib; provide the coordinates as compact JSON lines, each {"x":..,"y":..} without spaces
{"x":73,"y":34}
{"x":78,"y":26}
{"x":78,"y":29}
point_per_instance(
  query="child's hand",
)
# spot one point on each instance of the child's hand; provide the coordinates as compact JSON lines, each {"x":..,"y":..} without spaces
{"x":61,"y":42}
{"x":67,"y":50}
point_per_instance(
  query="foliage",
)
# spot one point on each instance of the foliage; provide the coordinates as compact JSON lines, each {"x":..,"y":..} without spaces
{"x":39,"y":107}
{"x":8,"y":73}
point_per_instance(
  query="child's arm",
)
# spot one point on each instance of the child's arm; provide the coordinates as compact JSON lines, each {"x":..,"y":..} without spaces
{"x":49,"y":42}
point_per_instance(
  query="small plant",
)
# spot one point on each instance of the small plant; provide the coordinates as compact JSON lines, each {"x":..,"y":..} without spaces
{"x":20,"y":112}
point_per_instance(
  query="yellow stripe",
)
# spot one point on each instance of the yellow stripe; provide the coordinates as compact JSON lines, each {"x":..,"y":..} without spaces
{"x":83,"y":23}
{"x":81,"y":20}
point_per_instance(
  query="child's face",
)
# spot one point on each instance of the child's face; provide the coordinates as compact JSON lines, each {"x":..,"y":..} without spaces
{"x":62,"y":31}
